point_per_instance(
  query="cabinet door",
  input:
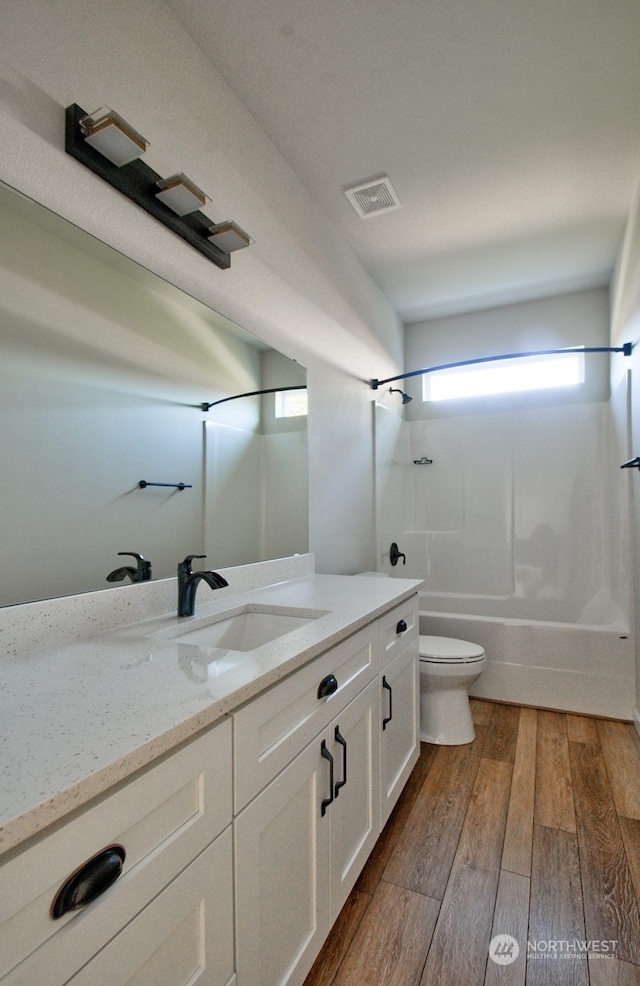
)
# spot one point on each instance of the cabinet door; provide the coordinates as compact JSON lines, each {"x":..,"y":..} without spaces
{"x":183,"y":938}
{"x":399,"y":725}
{"x":282,"y":874}
{"x":355,"y":812}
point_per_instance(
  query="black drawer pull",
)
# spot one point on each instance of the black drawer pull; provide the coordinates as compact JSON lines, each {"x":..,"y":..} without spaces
{"x":89,"y":881}
{"x":343,"y":743}
{"x":385,"y":684}
{"x":402,"y":626}
{"x":327,"y":756}
{"x":328,"y":686}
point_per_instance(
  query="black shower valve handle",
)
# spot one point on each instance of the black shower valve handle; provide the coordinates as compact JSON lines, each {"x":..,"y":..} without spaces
{"x":395,"y":555}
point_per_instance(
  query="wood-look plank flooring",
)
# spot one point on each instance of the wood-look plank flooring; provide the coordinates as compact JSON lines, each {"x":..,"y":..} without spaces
{"x":532,"y":831}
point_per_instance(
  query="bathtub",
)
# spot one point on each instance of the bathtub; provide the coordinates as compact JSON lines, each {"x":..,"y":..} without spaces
{"x":573,"y":667}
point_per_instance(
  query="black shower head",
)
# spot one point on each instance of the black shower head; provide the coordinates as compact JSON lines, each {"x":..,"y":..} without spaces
{"x":405,"y":397}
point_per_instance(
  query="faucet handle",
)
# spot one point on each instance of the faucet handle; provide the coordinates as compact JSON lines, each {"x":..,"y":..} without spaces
{"x":186,"y":564}
{"x":141,"y":573}
{"x":143,"y":567}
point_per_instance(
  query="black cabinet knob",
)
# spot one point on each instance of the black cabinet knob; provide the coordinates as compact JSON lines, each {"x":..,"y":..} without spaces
{"x":401,"y":627}
{"x":327,"y":686}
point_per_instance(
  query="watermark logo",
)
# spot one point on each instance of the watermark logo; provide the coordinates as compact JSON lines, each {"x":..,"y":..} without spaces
{"x":563,"y":948}
{"x":503,"y":949}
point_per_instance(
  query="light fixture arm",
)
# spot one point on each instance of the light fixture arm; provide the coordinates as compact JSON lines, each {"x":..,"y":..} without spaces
{"x":626,"y":350}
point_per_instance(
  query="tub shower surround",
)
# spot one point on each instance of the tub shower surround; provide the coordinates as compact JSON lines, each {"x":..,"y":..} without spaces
{"x":518,"y":527}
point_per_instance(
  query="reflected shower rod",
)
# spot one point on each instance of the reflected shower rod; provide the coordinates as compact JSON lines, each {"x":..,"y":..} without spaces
{"x":626,"y":350}
{"x":207,"y":405}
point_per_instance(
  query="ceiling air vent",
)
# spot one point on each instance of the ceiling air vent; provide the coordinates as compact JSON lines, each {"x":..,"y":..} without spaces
{"x":371,"y":198}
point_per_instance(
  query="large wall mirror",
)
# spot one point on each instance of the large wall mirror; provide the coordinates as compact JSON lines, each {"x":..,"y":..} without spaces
{"x":104,"y":370}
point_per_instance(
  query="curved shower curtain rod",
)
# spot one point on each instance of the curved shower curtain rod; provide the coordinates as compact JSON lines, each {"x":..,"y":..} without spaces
{"x":207,"y":405}
{"x":625,"y":350}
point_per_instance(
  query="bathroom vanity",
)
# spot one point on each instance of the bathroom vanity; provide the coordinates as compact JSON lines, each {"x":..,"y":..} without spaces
{"x":244,"y":780}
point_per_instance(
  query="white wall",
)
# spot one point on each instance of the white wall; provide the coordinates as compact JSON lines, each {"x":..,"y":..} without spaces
{"x":625,"y":327}
{"x":296,"y":288}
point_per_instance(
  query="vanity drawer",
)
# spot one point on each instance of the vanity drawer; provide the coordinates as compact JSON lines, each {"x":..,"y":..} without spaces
{"x":393,"y":637}
{"x":163,"y":819}
{"x":184,"y":936}
{"x":272,"y":729}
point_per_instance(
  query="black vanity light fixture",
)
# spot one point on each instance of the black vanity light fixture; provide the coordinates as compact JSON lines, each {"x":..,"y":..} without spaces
{"x":112,"y":149}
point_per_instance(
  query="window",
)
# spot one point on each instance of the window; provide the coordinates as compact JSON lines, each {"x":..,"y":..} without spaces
{"x":291,"y":403}
{"x":506,"y":376}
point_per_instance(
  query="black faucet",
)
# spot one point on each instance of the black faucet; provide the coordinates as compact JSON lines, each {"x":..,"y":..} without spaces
{"x":188,"y":581}
{"x":141,"y":573}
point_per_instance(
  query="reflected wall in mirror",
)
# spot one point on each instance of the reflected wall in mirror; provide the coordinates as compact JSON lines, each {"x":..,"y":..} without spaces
{"x":104,"y":368}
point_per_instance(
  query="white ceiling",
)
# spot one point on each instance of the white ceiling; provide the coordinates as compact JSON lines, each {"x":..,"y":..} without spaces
{"x":510,"y":130}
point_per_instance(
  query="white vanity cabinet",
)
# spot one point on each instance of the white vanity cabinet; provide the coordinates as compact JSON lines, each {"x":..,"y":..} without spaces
{"x":174,"y":822}
{"x":302,"y":833}
{"x":301,"y":843}
{"x":242,"y":844}
{"x":307,"y":790}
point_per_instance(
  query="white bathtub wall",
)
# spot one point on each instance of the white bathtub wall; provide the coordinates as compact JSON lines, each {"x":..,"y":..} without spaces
{"x":232,"y":493}
{"x":521,"y":515}
{"x":255,"y":505}
{"x":285,"y":515}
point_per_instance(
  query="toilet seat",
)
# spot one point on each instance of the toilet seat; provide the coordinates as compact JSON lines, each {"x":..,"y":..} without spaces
{"x":449,"y":650}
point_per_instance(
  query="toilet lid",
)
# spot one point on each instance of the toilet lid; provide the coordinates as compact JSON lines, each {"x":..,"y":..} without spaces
{"x":449,"y":649}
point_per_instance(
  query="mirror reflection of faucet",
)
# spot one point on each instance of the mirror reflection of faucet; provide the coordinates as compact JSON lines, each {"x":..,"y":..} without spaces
{"x":188,"y":582}
{"x":141,"y":573}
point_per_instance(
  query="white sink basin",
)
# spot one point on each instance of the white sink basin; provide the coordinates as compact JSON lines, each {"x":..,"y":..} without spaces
{"x":242,"y":630}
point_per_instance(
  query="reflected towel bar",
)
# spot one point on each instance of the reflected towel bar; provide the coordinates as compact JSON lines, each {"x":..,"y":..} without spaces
{"x":178,"y":486}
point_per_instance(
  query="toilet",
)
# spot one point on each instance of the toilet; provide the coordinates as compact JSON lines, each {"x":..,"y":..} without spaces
{"x":447,"y":668}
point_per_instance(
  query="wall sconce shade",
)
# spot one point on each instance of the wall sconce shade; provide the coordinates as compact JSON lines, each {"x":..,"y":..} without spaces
{"x":112,"y":136}
{"x":180,"y":194}
{"x":229,"y":237}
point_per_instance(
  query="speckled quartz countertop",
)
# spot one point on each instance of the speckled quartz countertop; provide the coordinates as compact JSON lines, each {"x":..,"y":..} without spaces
{"x":82,"y":716}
